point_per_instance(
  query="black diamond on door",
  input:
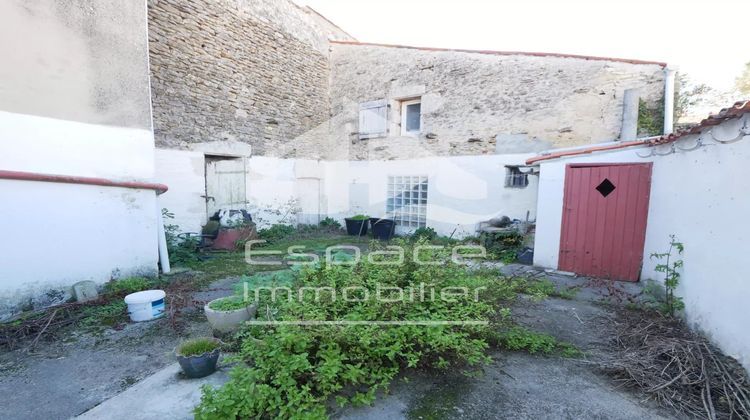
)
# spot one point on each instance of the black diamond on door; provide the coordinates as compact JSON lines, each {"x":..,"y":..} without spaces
{"x":605,"y":188}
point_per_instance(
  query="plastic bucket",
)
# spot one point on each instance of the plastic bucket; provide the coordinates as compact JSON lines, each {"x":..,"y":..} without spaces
{"x":145,"y":305}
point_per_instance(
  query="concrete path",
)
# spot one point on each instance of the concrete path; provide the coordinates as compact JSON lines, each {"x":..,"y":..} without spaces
{"x":163,"y":395}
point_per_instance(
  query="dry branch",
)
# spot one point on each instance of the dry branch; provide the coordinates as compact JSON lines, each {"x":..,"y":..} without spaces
{"x":679,"y":369}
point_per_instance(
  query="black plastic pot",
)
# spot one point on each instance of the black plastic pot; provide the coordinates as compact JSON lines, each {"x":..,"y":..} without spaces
{"x":383,"y":229}
{"x":199,"y":366}
{"x":356,"y":227}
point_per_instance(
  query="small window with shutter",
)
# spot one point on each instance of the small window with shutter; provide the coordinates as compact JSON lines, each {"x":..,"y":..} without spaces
{"x":373,"y":119}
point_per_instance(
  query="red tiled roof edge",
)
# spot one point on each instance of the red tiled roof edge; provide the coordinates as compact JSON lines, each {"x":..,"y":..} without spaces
{"x":735,"y":111}
{"x":492,"y":52}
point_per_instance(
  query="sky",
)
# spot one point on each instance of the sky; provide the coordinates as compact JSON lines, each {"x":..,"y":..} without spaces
{"x":705,"y":39}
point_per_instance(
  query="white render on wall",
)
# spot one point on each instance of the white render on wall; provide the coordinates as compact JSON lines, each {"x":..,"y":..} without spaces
{"x":463,"y":190}
{"x":58,"y":234}
{"x":184,"y":173}
{"x":700,"y":197}
{"x":52,"y":146}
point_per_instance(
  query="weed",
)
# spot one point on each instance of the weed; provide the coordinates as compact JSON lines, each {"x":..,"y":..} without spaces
{"x":519,"y":338}
{"x":426,"y":233}
{"x":329,"y":223}
{"x":231,"y":303}
{"x":128,"y":285}
{"x":109,"y":314}
{"x":672,"y":303}
{"x":277,"y":232}
{"x":295,"y":370}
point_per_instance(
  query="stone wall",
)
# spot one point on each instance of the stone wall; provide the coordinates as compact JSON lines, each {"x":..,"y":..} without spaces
{"x":250,"y":71}
{"x":479,"y":103}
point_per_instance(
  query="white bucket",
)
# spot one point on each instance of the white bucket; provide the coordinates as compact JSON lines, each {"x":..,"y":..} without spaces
{"x":145,"y":305}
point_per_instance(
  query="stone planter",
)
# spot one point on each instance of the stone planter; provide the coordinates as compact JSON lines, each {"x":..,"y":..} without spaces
{"x":229,"y":321}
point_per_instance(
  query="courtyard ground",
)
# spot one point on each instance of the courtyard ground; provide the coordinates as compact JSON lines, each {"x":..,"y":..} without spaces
{"x":69,"y":376}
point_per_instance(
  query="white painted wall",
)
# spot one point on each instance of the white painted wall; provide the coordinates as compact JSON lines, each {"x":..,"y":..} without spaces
{"x":75,"y":101}
{"x":184,"y":173}
{"x":701,"y":197}
{"x":53,"y":146}
{"x":463,"y":190}
{"x":58,"y":234}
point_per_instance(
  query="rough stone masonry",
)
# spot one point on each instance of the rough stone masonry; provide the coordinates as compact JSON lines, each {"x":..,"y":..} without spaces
{"x":232,"y":70}
{"x":265,"y":73}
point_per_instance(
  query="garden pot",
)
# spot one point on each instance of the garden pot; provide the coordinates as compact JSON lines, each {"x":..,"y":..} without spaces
{"x":383,"y":229}
{"x":199,"y":366}
{"x":356,"y":227}
{"x":229,"y":321}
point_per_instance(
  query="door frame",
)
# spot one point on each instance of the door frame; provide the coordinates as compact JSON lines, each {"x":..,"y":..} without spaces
{"x":567,"y":190}
{"x":216,"y":157}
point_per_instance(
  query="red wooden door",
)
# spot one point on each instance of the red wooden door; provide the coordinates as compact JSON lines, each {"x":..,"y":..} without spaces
{"x":605,"y":208}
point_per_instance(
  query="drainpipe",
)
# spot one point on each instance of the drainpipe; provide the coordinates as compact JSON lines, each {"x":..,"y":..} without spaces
{"x":163,"y":254}
{"x":669,"y":78}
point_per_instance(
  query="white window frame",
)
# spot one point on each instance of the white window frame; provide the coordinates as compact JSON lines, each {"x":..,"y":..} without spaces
{"x":406,"y":201}
{"x":515,"y":177}
{"x":404,"y":104}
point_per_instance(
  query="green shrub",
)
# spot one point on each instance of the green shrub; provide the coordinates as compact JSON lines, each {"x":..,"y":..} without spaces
{"x":330,"y":223}
{"x":197,"y":347}
{"x":231,"y":303}
{"x":181,"y":249}
{"x":106,"y":315}
{"x":292,"y":371}
{"x":359,"y":217}
{"x":128,"y":285}
{"x":519,"y":338}
{"x":277,"y":233}
{"x":426,"y":233}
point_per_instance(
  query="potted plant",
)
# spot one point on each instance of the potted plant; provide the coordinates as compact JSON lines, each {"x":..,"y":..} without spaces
{"x":198,"y":357}
{"x":227,"y":314}
{"x":382,"y":229}
{"x":357,"y":225}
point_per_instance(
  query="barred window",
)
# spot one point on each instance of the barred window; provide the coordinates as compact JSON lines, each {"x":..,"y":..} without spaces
{"x":407,"y":201}
{"x":514,"y":178}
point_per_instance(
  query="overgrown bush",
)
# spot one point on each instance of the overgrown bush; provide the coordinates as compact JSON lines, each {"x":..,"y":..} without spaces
{"x":426,"y":233}
{"x":276,"y":233}
{"x":292,"y":371}
{"x":182,"y":250}
{"x":329,"y":222}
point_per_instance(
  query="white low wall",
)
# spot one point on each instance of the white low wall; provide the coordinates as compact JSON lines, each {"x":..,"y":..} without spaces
{"x":463,"y":190}
{"x":184,"y":172}
{"x":699,"y":196}
{"x":56,"y":234}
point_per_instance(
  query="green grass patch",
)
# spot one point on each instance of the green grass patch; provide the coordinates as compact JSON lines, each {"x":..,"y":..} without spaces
{"x":197,"y":347}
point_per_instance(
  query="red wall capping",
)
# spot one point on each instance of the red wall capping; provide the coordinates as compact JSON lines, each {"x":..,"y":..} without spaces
{"x":82,"y":180}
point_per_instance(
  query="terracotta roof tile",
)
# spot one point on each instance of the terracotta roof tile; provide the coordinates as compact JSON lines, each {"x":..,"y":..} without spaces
{"x":735,"y":111}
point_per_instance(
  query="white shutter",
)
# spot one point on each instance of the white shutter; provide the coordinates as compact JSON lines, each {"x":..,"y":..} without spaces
{"x":373,"y":119}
